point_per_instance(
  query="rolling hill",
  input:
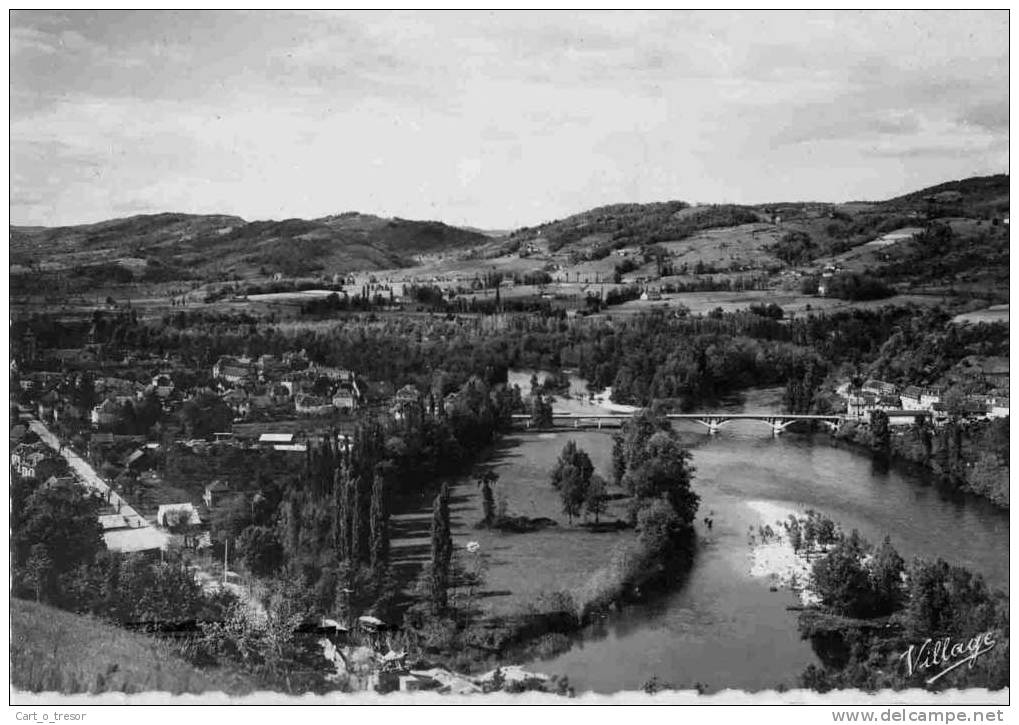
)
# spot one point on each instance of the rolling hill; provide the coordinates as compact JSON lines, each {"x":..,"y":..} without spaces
{"x":178,"y":245}
{"x":702,"y":239}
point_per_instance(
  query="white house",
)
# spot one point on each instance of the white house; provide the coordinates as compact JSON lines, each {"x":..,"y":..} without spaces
{"x":178,"y":514}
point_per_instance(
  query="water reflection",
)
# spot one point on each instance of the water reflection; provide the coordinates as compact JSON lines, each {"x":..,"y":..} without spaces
{"x":724,"y":628}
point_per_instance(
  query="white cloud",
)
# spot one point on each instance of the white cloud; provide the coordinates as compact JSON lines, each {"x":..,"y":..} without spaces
{"x":492,"y":119}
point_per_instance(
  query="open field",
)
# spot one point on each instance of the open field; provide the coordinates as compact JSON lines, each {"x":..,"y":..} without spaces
{"x":519,"y":567}
{"x":302,"y":296}
{"x":742,"y":245}
{"x":702,"y":302}
{"x":994,"y":313}
{"x":310,"y":425}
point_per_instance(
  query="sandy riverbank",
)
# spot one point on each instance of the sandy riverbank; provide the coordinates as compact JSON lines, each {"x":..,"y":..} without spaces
{"x":774,"y":559}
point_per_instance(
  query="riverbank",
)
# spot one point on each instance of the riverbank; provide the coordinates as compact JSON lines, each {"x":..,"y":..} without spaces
{"x":980,"y":468}
{"x":775,"y":558}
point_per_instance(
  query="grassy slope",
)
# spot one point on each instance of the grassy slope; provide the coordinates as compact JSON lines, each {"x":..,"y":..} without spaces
{"x":56,"y":651}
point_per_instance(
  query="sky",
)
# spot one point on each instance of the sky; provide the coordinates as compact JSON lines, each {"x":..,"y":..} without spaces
{"x":493,"y":119}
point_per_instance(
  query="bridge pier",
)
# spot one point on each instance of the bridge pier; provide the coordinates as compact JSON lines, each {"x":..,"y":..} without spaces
{"x":712,"y":424}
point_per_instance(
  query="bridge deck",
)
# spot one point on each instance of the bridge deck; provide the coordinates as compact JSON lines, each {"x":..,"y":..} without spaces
{"x":728,"y":416}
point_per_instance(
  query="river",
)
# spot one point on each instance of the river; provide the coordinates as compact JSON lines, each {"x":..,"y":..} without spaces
{"x":722,"y":627}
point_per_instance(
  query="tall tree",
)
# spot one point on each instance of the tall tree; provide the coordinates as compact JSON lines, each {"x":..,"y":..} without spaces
{"x":487,"y":479}
{"x":343,"y":514}
{"x":379,"y":554}
{"x":442,"y":551}
{"x":595,"y":502}
{"x":880,"y":432}
{"x":572,"y":490}
{"x":922,"y":428}
{"x":357,"y":527}
{"x":572,"y":455}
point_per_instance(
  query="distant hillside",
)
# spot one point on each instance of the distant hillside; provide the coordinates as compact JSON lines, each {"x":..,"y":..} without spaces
{"x":619,"y":225}
{"x":976,"y":197}
{"x":56,"y":651}
{"x":703,"y":239}
{"x":175,"y":246}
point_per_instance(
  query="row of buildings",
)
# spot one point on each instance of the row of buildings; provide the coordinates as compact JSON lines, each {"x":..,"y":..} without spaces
{"x":880,"y":395}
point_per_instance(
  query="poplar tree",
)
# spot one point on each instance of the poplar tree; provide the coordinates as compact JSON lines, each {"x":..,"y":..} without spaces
{"x":442,"y":550}
{"x":356,"y":523}
{"x":344,"y":549}
{"x":379,"y":525}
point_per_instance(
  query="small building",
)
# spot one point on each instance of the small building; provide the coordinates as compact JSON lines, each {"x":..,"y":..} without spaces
{"x":909,"y":398}
{"x":338,"y":375}
{"x":217,"y":493}
{"x":272,"y":439}
{"x":232,"y":369}
{"x":879,"y":387}
{"x":345,"y":400}
{"x":106,"y":414}
{"x":914,"y":397}
{"x":930,"y":396}
{"x":270,"y":367}
{"x":177,"y":514}
{"x":135,"y":459}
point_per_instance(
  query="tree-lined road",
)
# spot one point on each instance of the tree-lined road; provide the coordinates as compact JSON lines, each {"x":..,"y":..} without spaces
{"x":140,"y":534}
